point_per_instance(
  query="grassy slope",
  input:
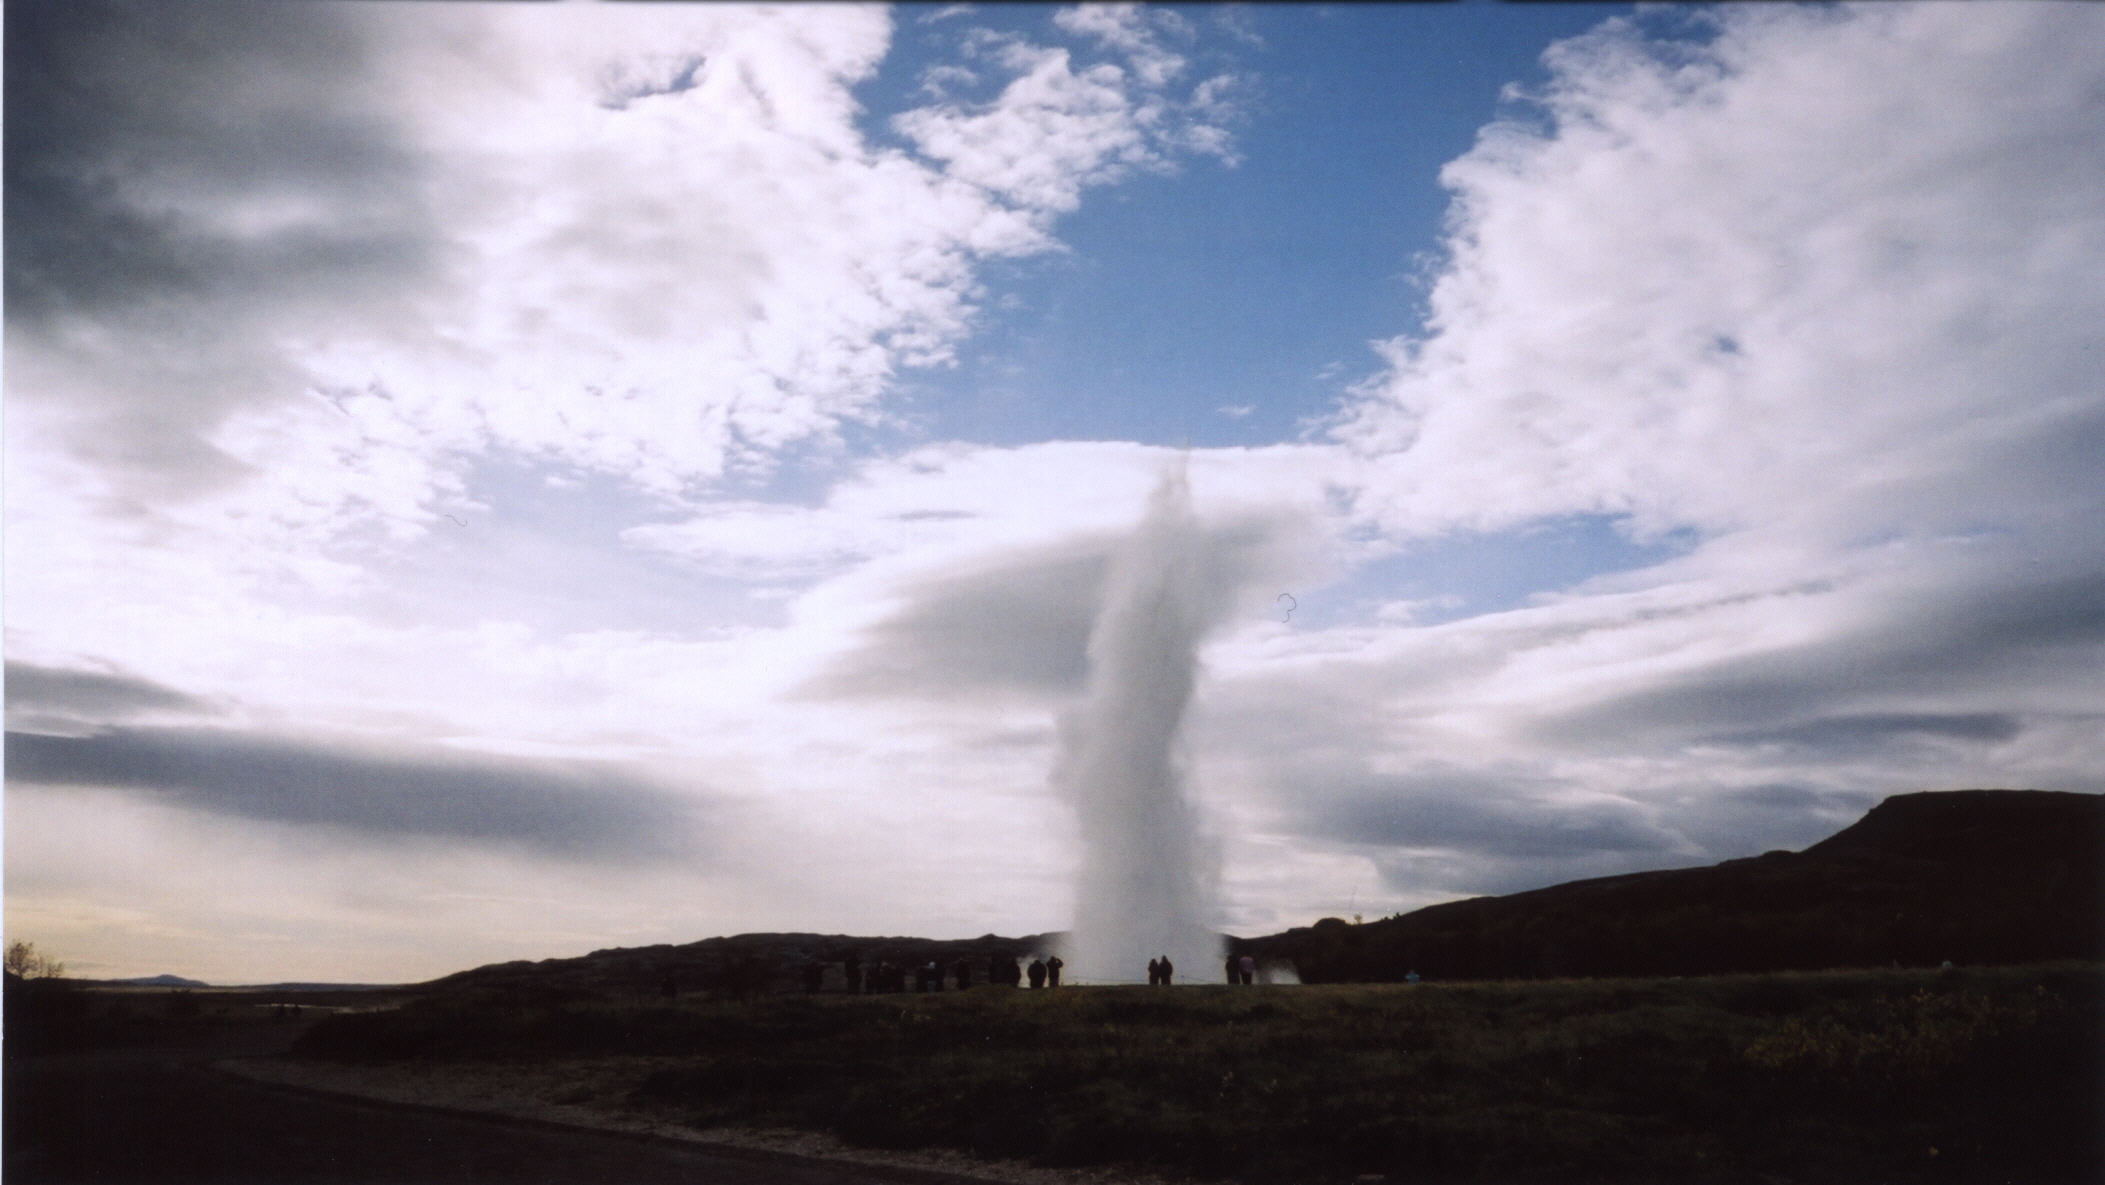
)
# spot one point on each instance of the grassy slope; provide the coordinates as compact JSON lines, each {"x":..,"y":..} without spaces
{"x":1838,"y":1076}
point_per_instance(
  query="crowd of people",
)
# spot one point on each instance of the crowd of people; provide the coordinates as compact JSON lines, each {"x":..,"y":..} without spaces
{"x":1001,"y":970}
{"x":933,"y":975}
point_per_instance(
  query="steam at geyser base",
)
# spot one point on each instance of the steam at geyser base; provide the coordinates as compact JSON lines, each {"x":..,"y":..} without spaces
{"x":1147,"y":886}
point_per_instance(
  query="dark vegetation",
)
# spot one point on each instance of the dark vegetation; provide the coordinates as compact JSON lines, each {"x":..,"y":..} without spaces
{"x":1970,"y":1075}
{"x":43,"y":1014}
{"x":1976,"y":877}
{"x":53,"y":1015}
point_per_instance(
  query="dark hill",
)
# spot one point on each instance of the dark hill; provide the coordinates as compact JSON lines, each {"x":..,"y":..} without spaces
{"x":1972,"y":876}
{"x":170,"y":981}
{"x":741,"y":965}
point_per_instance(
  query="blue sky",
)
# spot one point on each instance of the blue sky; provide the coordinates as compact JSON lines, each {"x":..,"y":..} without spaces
{"x":491,"y":481}
{"x":1254,"y":285}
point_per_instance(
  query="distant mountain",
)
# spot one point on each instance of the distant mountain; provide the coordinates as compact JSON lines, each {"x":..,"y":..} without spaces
{"x":1970,"y":876}
{"x":318,"y":987}
{"x":172,"y":981}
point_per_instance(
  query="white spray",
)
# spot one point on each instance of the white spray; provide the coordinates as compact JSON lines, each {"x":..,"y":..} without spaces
{"x":1146,"y":887}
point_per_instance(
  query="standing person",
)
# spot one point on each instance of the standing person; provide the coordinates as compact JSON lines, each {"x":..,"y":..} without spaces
{"x":1234,"y":968}
{"x":1052,"y":971}
{"x":1166,"y":970}
{"x":1154,"y":972}
{"x":1037,"y":973}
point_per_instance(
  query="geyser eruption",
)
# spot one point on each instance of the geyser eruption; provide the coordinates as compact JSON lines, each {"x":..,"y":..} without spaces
{"x":1146,"y":887}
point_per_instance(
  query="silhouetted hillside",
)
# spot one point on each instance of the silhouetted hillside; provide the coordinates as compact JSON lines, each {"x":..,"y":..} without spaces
{"x":1972,"y":876}
{"x":743,"y":964}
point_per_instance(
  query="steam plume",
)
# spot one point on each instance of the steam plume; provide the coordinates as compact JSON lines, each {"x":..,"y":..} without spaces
{"x":1146,"y":887}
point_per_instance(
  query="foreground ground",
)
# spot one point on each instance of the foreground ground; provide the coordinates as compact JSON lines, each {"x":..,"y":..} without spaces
{"x":1974,"y":1075}
{"x":126,"y":1121}
{"x":196,"y":1088}
{"x":1988,"y":1075}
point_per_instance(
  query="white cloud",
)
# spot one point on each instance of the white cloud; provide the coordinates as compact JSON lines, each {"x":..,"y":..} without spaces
{"x":1135,"y":31}
{"x":647,"y":241}
{"x":1832,"y":270}
{"x":1818,"y":293}
{"x":1060,"y":127}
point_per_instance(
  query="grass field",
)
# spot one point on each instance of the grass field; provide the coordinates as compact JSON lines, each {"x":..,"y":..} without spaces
{"x":1979,"y":1075}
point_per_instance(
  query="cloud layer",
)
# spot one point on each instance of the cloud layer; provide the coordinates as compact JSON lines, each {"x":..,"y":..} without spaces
{"x":1807,"y":291}
{"x":344,"y":244}
{"x":454,"y":450}
{"x":573,"y":812}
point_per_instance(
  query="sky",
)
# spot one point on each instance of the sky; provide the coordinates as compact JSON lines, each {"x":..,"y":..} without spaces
{"x":489,"y":482}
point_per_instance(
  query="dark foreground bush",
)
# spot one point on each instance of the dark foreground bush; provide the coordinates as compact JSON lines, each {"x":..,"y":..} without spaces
{"x":1842,"y":1077}
{"x":44,"y":1015}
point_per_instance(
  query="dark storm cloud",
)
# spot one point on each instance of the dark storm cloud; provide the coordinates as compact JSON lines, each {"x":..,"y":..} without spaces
{"x":1785,"y":797}
{"x":1021,"y":623}
{"x":562,"y":809}
{"x":57,"y":694}
{"x":1750,"y":820}
{"x":1866,"y":731}
{"x":1460,"y":832}
{"x":1467,"y":831}
{"x":1020,"y":626}
{"x":1454,"y":830}
{"x":194,"y":183}
{"x":1478,"y":814}
{"x":2007,"y":623}
{"x":118,"y":113}
{"x":1478,"y":835}
{"x":1814,"y":696}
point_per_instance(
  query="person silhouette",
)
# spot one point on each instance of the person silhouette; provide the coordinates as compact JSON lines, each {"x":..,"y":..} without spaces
{"x":1154,"y":972}
{"x":1052,"y":971}
{"x":1167,"y":970}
